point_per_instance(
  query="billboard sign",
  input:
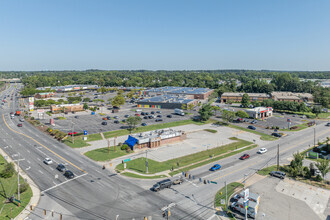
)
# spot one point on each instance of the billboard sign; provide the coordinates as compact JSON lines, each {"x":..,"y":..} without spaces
{"x":31,"y":103}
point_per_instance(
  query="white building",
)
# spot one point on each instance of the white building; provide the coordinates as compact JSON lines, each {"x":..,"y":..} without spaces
{"x":260,"y":112}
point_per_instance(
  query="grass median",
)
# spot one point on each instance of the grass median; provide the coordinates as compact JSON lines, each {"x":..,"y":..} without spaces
{"x":9,"y":188}
{"x":264,"y":137}
{"x":203,"y":157}
{"x":299,"y":127}
{"x":133,"y":175}
{"x":79,"y":142}
{"x":221,"y":194}
{"x":104,"y":154}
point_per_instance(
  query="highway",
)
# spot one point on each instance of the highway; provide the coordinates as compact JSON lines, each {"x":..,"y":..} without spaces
{"x":100,"y":194}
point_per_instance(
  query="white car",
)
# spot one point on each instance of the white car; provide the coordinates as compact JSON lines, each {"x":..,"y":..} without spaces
{"x":48,"y":161}
{"x":262,"y":150}
{"x":21,"y":120}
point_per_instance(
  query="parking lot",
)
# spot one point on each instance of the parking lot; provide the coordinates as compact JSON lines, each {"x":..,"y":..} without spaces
{"x":93,"y":123}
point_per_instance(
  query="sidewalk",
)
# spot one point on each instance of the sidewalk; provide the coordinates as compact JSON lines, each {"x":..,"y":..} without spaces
{"x":35,"y":190}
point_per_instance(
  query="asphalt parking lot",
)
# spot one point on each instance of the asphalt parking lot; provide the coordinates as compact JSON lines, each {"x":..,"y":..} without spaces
{"x":93,"y":123}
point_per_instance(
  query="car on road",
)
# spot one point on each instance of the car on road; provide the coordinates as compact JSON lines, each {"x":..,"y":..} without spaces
{"x":328,"y":124}
{"x":144,"y":124}
{"x":244,"y":156}
{"x":251,"y":127}
{"x":262,"y":150}
{"x":48,"y":161}
{"x":60,"y":167}
{"x":169,"y":116}
{"x":278,"y":174}
{"x":253,"y":122}
{"x":68,"y":174}
{"x":215,"y":167}
{"x":21,"y":120}
{"x":177,"y":181}
{"x":19,"y":125}
{"x":104,"y":123}
{"x":162,"y":185}
{"x":76,"y":116}
{"x":276,"y":134}
{"x":158,"y":119}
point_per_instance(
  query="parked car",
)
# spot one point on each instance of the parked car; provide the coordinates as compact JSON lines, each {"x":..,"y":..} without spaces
{"x":116,"y":122}
{"x":142,"y":113}
{"x":108,"y":117}
{"x":146,"y":113}
{"x":169,"y":116}
{"x":215,"y":167}
{"x":137,"y":114}
{"x":177,"y":181}
{"x":152,"y":112}
{"x":104,"y":123}
{"x":19,"y":125}
{"x":253,"y":122}
{"x":328,"y":124}
{"x":159,"y":116}
{"x":158,"y":112}
{"x":145,"y":117}
{"x":124,"y":120}
{"x":244,"y":156}
{"x":251,"y":127}
{"x":144,"y":124}
{"x":262,"y":150}
{"x":317,"y":172}
{"x":276,"y":135}
{"x":76,"y":116}
{"x":162,"y":185}
{"x":158,"y":119}
{"x":60,"y":167}
{"x":150,"y":116}
{"x":278,"y":174}
{"x":70,"y":133}
{"x":68,"y":174}
{"x":21,"y":120}
{"x":126,"y":116}
{"x":116,"y":117}
{"x":48,"y":161}
{"x":105,"y":118}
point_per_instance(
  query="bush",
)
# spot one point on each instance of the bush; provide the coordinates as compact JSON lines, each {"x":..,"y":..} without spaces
{"x":294,"y":128}
{"x":8,"y":171}
{"x":277,"y":127}
{"x":23,"y":187}
{"x":128,"y":149}
{"x":32,"y":118}
{"x":124,"y":147}
{"x":318,"y":178}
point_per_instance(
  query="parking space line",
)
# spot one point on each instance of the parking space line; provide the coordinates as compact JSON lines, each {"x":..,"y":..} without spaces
{"x":3,"y":116}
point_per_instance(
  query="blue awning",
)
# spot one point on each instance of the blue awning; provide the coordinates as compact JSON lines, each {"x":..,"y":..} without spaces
{"x":131,"y":141}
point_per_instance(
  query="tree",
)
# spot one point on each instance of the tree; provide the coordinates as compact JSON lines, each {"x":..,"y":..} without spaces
{"x":316,"y":110}
{"x":297,"y":163}
{"x":85,"y":106}
{"x":86,"y":99}
{"x":215,"y":108}
{"x":205,"y":112}
{"x":242,"y":114}
{"x":132,"y":122}
{"x":190,"y":107}
{"x":228,"y":116}
{"x":245,"y":100}
{"x":118,"y":101}
{"x":184,"y":106}
{"x":324,"y":167}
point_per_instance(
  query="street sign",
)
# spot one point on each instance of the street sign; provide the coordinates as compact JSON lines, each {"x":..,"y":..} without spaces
{"x":17,"y":200}
{"x":126,"y":160}
{"x":85,"y":132}
{"x":223,"y":201}
{"x":214,"y":182}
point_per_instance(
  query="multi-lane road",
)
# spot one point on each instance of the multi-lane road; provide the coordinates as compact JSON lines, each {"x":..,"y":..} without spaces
{"x":100,"y":194}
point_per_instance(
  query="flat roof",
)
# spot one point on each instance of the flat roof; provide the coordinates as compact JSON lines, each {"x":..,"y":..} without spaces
{"x":240,"y":94}
{"x":180,"y":90}
{"x":167,"y":99}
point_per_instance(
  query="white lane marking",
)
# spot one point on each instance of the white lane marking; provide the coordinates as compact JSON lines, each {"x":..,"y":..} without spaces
{"x":55,"y":146}
{"x":14,"y":155}
{"x":97,"y":171}
{"x":38,"y":159}
{"x":28,"y":161}
{"x":28,"y":151}
{"x":6,"y":147}
{"x":28,"y":168}
{"x":64,"y":182}
{"x":51,"y":168}
{"x":19,"y":160}
{"x":40,"y":172}
{"x":19,"y":144}
{"x":192,"y":183}
{"x":54,"y":183}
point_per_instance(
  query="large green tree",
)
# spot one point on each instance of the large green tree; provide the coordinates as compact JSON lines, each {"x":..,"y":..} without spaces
{"x":118,"y":101}
{"x":228,"y":116}
{"x":205,"y":112}
{"x":245,"y":100}
{"x":324,"y":167}
{"x":132,"y":122}
{"x":242,"y":114}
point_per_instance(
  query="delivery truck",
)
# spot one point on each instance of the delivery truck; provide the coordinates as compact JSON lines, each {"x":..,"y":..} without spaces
{"x":179,"y":112}
{"x":18,"y":113}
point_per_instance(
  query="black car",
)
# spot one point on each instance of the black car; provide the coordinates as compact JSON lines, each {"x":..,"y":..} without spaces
{"x":68,"y":174}
{"x":108,"y":117}
{"x":162,"y":185}
{"x":278,"y":174}
{"x":104,"y":123}
{"x":145,"y":117}
{"x":144,"y":124}
{"x":116,"y":122}
{"x":60,"y":167}
{"x":150,"y":116}
{"x":146,"y":113}
{"x":158,"y":112}
{"x":76,"y":116}
{"x":126,"y":116}
{"x":142,"y":113}
{"x":159,"y":116}
{"x":152,"y":112}
{"x":276,"y":135}
{"x":251,"y":127}
{"x":158,"y":119}
{"x":169,"y":116}
{"x":124,"y":120}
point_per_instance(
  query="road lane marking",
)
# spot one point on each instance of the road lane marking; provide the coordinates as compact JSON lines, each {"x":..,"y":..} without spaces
{"x":3,"y":116}
{"x":28,"y":168}
{"x":63,"y":183}
{"x":28,"y":151}
{"x":40,"y":172}
{"x":28,"y":161}
{"x":38,"y":158}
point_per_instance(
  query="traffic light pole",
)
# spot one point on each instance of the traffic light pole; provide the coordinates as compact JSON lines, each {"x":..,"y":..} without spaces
{"x":146,"y":161}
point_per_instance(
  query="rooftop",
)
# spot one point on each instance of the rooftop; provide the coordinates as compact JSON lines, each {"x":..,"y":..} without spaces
{"x":180,"y":90}
{"x":240,"y":94}
{"x":168,"y":99}
{"x":160,"y":134}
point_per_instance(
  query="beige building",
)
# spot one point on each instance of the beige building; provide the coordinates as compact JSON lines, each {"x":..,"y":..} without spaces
{"x":66,"y":108}
{"x":292,"y":97}
{"x":237,"y":97}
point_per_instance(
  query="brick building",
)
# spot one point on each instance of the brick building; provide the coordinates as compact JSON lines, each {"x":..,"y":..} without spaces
{"x":237,"y":97}
{"x":66,"y":108}
{"x":190,"y":92}
{"x":166,"y":102}
{"x":292,"y":97}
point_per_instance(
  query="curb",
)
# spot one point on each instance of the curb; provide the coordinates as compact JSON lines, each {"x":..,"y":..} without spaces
{"x":35,"y":189}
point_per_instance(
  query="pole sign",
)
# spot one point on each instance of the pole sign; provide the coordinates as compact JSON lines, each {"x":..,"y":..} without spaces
{"x":85,"y":132}
{"x":246,"y":195}
{"x":129,"y":159}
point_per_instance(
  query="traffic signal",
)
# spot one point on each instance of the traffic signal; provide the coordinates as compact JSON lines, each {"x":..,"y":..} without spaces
{"x":44,"y":211}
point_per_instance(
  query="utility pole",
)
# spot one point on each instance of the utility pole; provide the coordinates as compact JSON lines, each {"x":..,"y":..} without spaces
{"x":114,"y":144}
{"x":146,"y":161}
{"x":72,"y":132}
{"x":278,"y":157}
{"x":314,"y":137}
{"x":226,"y":196}
{"x":108,"y":146}
{"x":18,"y":195}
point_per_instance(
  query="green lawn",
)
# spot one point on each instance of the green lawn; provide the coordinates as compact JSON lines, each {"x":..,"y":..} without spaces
{"x":300,"y":127}
{"x":103,"y":154}
{"x":324,"y":115}
{"x":211,"y":130}
{"x":265,"y":171}
{"x":140,"y":129}
{"x":142,"y":177}
{"x":138,"y":165}
{"x":10,"y":188}
{"x":78,"y":142}
{"x":221,"y":194}
{"x":264,"y":137}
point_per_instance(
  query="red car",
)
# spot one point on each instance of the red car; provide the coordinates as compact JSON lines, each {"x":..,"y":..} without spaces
{"x":19,"y":125}
{"x":70,"y":133}
{"x":245,"y":156}
{"x":137,"y":114}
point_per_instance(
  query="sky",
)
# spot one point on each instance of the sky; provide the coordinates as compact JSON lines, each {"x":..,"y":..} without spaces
{"x":164,"y":35}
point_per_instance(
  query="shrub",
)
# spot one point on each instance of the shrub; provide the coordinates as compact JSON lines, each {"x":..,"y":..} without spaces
{"x":128,"y":149}
{"x":32,"y":118}
{"x":294,"y":128}
{"x":277,"y":127}
{"x":211,"y":130}
{"x":23,"y":187}
{"x":318,"y":178}
{"x":8,"y":171}
{"x":124,"y":147}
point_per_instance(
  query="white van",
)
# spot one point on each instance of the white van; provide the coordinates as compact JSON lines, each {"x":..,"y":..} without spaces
{"x":138,"y":110}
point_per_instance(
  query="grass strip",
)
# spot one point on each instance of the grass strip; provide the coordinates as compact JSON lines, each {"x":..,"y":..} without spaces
{"x":221,"y":194}
{"x":104,"y":154}
{"x":133,"y":175}
{"x":300,"y":127}
{"x":211,"y":130}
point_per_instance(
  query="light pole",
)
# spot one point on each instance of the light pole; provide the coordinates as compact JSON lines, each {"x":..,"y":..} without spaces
{"x":314,"y":137}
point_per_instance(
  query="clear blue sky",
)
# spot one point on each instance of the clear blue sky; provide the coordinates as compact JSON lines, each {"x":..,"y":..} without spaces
{"x":164,"y":34}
